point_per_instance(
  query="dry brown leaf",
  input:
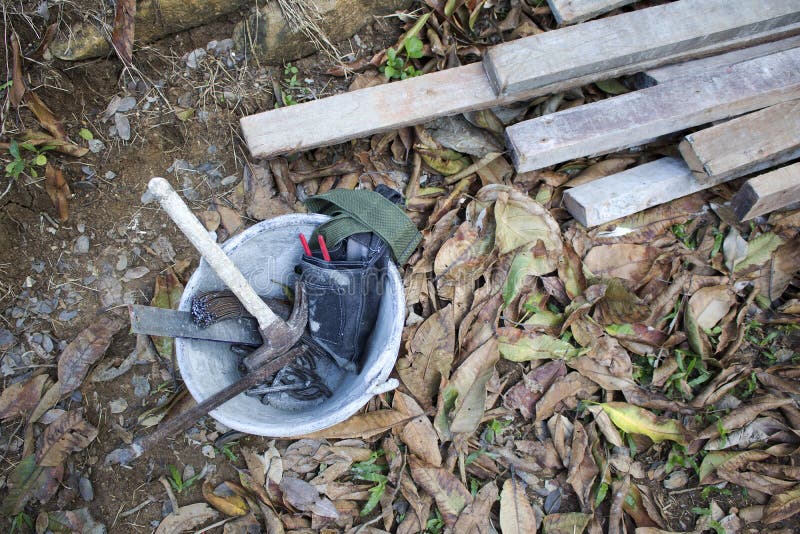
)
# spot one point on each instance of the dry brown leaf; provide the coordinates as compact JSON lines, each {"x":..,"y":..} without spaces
{"x":430,"y":356}
{"x":619,"y":493}
{"x":83,"y":351}
{"x":225,"y":499}
{"x":45,"y":117}
{"x":742,"y":416}
{"x":573,"y":385}
{"x":782,"y":506}
{"x":364,"y":425}
{"x":67,"y":434}
{"x":600,"y":169}
{"x":567,"y":523}
{"x":124,"y":26}
{"x":22,"y":397}
{"x":187,"y":518}
{"x":30,"y":481}
{"x":58,"y":190}
{"x":449,"y":493}
{"x":582,"y":467}
{"x":525,"y":393}
{"x":244,"y":525}
{"x":474,"y":519}
{"x":303,"y":496}
{"x":522,"y":221}
{"x":517,"y":516}
{"x":418,"y":434}
{"x":623,"y":260}
{"x":18,"y":79}
{"x":607,"y":364}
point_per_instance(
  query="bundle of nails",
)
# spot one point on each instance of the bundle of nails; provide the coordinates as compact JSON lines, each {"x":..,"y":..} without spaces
{"x":299,"y":380}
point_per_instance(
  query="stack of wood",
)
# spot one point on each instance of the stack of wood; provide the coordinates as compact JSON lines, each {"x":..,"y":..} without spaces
{"x":695,"y":62}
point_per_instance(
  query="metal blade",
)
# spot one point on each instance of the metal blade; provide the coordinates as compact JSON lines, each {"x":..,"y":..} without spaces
{"x":156,"y":321}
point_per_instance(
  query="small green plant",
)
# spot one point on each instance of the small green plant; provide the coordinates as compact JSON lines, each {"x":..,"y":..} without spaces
{"x":688,"y":240}
{"x":602,"y":492}
{"x":708,"y":490}
{"x":227,"y":450}
{"x":692,"y":372}
{"x":290,"y":71}
{"x":719,"y":238}
{"x":435,"y":523}
{"x":370,"y":471}
{"x":712,"y":523}
{"x":396,"y":66}
{"x":21,"y":521}
{"x":494,"y":429}
{"x":176,"y":480}
{"x":86,"y":134}
{"x":678,"y":458}
{"x":20,"y":164}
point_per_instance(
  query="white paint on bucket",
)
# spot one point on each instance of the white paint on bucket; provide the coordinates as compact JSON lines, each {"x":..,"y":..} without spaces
{"x":267,"y":253}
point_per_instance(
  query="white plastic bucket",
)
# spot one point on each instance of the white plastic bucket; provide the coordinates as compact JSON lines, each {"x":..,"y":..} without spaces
{"x":267,"y":253}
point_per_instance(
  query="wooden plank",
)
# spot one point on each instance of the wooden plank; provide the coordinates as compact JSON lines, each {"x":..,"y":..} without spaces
{"x":750,"y":143}
{"x":640,"y":35}
{"x":345,"y":116}
{"x":635,"y":118}
{"x":699,"y":66}
{"x":574,"y":11}
{"x":768,"y":192}
{"x":631,"y":191}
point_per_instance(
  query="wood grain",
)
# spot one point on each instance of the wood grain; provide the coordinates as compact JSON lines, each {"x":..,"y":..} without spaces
{"x":635,"y":118}
{"x":768,"y":192}
{"x":574,"y":11}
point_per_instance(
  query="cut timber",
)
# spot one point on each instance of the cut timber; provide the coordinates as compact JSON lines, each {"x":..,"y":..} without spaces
{"x":390,"y":106}
{"x":641,"y":116}
{"x":619,"y":195}
{"x":633,"y":37}
{"x":768,"y":192}
{"x":699,"y":66}
{"x":574,"y":11}
{"x":745,"y":144}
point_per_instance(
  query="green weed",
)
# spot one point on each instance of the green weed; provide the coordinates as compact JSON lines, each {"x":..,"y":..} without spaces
{"x":177,"y":482}
{"x":370,"y":471}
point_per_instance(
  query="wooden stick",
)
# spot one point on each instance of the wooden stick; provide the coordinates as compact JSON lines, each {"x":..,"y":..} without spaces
{"x":640,"y":35}
{"x":699,"y":66}
{"x":768,"y":192}
{"x":391,"y":106}
{"x":635,"y":118}
{"x":746,"y":144}
{"x":574,"y":11}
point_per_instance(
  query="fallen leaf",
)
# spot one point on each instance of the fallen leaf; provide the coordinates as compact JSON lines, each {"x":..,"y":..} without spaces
{"x":522,"y":221}
{"x":571,"y":386}
{"x":22,"y":397}
{"x":124,"y":25}
{"x":622,"y":260}
{"x":45,"y":117}
{"x":225,"y":499}
{"x":364,"y":425}
{"x":582,"y":467}
{"x":30,"y":481}
{"x":743,"y":415}
{"x":475,"y":517}
{"x":69,"y":521}
{"x":607,"y":364}
{"x":517,"y":516}
{"x":83,"y":351}
{"x":418,"y":434}
{"x":167,"y":294}
{"x":18,"y":87}
{"x":462,"y":401}
{"x":759,"y":251}
{"x":525,"y":393}
{"x":449,"y":493}
{"x":612,"y":87}
{"x":186,"y":518}
{"x":734,"y":249}
{"x":706,"y":307}
{"x":568,"y":523}
{"x":570,"y":271}
{"x":67,"y":434}
{"x":522,"y":346}
{"x":635,"y":420}
{"x":430,"y":355}
{"x":782,"y":506}
{"x":305,"y":497}
{"x":600,"y":169}
{"x":58,"y":190}
{"x":443,"y":160}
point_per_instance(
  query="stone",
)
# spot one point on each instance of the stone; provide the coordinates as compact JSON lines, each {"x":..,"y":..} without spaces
{"x":96,"y":146}
{"x":194,"y":57}
{"x":37,"y":266}
{"x":118,"y":405}
{"x":7,"y":339}
{"x":125,"y":104}
{"x":67,"y":315}
{"x":81,"y":245}
{"x":154,"y":19}
{"x":123,"y":126}
{"x":274,"y":42}
{"x":86,"y":490}
{"x":141,"y":386}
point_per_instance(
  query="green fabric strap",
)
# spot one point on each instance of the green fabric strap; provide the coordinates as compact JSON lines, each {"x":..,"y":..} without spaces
{"x":362,"y":210}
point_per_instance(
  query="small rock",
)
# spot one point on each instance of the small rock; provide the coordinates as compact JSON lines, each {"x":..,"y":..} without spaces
{"x":76,"y":396}
{"x":28,"y":282}
{"x":81,"y":245}
{"x":37,"y":266}
{"x":80,"y":227}
{"x":188,"y":472}
{"x":208,"y":451}
{"x":67,"y":315}
{"x":110,"y":291}
{"x":228,"y":180}
{"x":96,"y":146}
{"x":47,"y":344}
{"x":43,"y":308}
{"x":123,"y":126}
{"x":36,"y":337}
{"x":118,"y":405}
{"x":88,"y":171}
{"x":135,"y":273}
{"x":110,"y":175}
{"x":122,"y":262}
{"x":189,"y":191}
{"x":17,"y":312}
{"x":86,"y":490}
{"x":141,"y":386}
{"x":194,"y":57}
{"x":126,"y":104}
{"x":676,"y":480}
{"x":164,"y":249}
{"x":6,"y":339}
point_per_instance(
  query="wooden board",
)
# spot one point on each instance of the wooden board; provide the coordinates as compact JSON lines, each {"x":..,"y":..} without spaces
{"x":574,"y":11}
{"x":768,"y":192}
{"x":640,"y":35}
{"x":635,"y":118}
{"x":699,"y":66}
{"x":746,"y":144}
{"x":631,"y":191}
{"x":346,"y":116}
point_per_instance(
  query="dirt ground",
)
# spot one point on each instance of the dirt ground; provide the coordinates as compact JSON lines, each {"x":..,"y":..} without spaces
{"x":109,"y":212}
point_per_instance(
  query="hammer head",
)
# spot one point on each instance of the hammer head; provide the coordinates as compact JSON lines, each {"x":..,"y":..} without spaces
{"x":281,"y":336}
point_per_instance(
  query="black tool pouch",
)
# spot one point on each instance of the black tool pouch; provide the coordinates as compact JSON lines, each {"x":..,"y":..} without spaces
{"x":344,"y":296}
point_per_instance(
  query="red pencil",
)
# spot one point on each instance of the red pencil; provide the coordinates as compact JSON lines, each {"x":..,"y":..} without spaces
{"x":306,"y":248}
{"x":324,"y":248}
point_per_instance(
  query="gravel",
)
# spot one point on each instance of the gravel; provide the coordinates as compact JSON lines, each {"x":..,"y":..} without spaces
{"x":86,"y":490}
{"x":81,"y":245}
